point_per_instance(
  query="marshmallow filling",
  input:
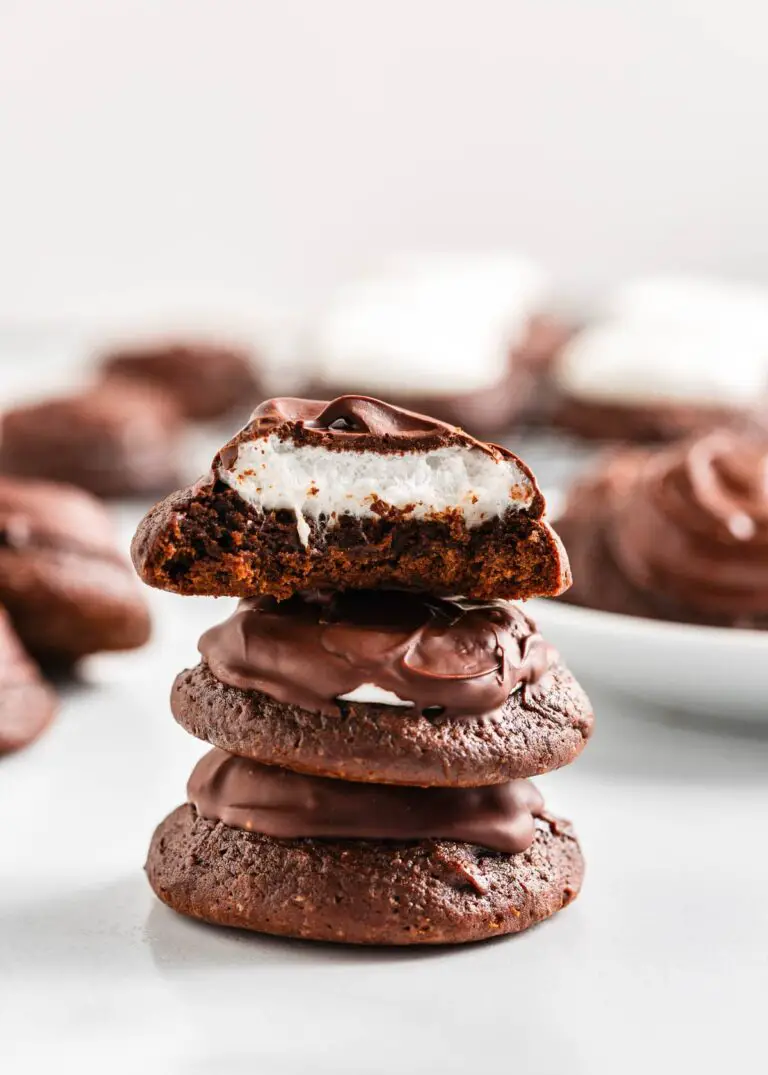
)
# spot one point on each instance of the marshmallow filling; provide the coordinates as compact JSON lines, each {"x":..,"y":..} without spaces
{"x":320,"y":484}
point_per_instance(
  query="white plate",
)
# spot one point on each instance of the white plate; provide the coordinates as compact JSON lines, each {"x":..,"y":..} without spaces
{"x":717,"y":671}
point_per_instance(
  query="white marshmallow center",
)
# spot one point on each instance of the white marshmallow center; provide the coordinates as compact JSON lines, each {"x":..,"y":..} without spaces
{"x":373,"y":695}
{"x":317,"y":482}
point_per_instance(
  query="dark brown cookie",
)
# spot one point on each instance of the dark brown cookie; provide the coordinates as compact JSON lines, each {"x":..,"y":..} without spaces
{"x":27,"y":703}
{"x":360,"y":892}
{"x":354,"y":494}
{"x":205,"y":380}
{"x":113,"y":440}
{"x":641,"y":423}
{"x":62,"y":579}
{"x":206,"y":540}
{"x":537,"y":729}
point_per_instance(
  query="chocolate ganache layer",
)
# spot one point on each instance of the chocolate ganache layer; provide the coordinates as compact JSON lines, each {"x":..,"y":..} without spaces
{"x":447,"y":656}
{"x":276,"y":802}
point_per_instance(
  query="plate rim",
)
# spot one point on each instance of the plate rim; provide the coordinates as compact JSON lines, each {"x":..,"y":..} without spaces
{"x":683,"y":633}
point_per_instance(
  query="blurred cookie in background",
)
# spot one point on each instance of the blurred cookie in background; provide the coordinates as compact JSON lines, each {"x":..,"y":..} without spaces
{"x":650,"y":381}
{"x":465,"y":339}
{"x":676,"y":533}
{"x":27,"y":703}
{"x":666,"y":357}
{"x":116,"y":439}
{"x":697,"y":301}
{"x":68,"y":590}
{"x":206,"y":380}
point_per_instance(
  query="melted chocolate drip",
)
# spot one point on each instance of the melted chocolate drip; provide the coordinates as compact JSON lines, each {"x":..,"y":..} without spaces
{"x":276,"y":802}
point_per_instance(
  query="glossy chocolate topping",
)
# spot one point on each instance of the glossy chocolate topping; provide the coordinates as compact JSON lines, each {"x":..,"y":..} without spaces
{"x":244,"y":794}
{"x":691,"y":526}
{"x":350,"y":416}
{"x":448,"y":656}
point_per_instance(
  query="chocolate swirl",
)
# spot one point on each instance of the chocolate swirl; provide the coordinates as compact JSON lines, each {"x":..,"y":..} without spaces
{"x":259,"y":798}
{"x":446,"y":656}
{"x":691,"y":528}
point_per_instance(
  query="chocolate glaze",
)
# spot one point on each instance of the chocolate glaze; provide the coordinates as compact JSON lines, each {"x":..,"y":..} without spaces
{"x":361,"y":423}
{"x":259,"y":798}
{"x":450,"y":657}
{"x":693,"y":525}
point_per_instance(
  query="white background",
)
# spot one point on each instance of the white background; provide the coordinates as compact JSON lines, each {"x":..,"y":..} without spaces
{"x":281,"y":144}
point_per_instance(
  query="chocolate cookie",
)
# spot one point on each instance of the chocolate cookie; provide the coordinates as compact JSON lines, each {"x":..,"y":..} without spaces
{"x":27,"y":703}
{"x":66,"y":587}
{"x":205,"y":380}
{"x":680,"y":533}
{"x":113,"y":440}
{"x":354,"y":494}
{"x":385,"y":686}
{"x":641,"y":423}
{"x":360,"y":892}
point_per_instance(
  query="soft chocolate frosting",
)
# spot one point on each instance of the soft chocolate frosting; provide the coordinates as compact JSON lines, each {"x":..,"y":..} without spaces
{"x":244,"y":794}
{"x":448,"y":656}
{"x":690,"y":526}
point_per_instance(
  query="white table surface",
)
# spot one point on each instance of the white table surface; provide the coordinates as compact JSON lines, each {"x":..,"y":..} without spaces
{"x":661,"y":965}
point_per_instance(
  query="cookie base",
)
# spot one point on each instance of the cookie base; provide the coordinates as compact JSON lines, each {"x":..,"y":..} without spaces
{"x":536,"y":730}
{"x":207,"y":540}
{"x":360,"y":892}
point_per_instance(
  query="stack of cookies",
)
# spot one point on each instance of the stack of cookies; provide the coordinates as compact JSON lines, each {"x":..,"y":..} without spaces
{"x":373,"y":732}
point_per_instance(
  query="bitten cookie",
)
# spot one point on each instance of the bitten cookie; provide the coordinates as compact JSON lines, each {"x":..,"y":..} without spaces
{"x":354,"y":494}
{"x":27,"y":703}
{"x":65,"y":585}
{"x":355,"y":891}
{"x":113,"y":440}
{"x":385,"y":686}
{"x":204,"y":379}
